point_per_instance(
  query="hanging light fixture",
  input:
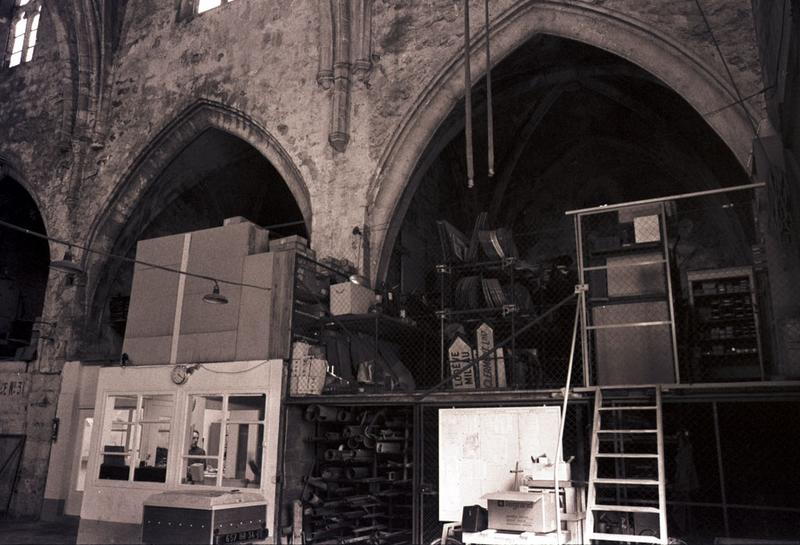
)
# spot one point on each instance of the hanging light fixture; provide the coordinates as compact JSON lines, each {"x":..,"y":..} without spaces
{"x":215,"y":297}
{"x":67,"y":264}
{"x":359,"y":280}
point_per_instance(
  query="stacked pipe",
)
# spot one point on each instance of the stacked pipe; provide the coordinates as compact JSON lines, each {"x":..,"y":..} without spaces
{"x":360,"y":488}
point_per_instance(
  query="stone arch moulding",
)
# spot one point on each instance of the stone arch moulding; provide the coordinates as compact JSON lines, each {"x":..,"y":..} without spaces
{"x":8,"y":168}
{"x":139,"y":179}
{"x":394,"y":181}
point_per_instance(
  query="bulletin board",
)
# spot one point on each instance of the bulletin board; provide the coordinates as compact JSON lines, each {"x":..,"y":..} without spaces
{"x":479,"y":449}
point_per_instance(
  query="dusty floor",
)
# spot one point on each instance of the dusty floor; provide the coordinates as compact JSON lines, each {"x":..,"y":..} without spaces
{"x":62,"y":532}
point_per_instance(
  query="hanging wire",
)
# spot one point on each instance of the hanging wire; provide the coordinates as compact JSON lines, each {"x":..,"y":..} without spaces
{"x":128,"y":259}
{"x":468,"y":101}
{"x":739,"y":97}
{"x":489,"y":116}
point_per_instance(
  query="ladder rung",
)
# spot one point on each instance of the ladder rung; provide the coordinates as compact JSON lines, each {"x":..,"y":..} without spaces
{"x":627,"y":481}
{"x":628,"y":387}
{"x":630,"y":408}
{"x":628,"y":431}
{"x":625,"y":455}
{"x":624,"y":538}
{"x":626,"y":508}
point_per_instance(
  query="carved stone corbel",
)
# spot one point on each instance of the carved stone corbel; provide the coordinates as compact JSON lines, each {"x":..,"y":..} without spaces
{"x":345,"y":50}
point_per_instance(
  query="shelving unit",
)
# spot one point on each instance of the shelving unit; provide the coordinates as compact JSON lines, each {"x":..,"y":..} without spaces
{"x":507,"y":295}
{"x":727,"y":338}
{"x":360,"y":489}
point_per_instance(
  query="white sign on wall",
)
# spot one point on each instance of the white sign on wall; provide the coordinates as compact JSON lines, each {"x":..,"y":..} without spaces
{"x":479,"y":450}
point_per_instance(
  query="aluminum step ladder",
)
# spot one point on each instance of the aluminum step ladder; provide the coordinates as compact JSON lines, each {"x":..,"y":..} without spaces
{"x":642,"y":404}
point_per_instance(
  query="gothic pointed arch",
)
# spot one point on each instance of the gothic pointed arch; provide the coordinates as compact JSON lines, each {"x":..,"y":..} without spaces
{"x":23,"y":267}
{"x":694,"y":79}
{"x":144,"y":191}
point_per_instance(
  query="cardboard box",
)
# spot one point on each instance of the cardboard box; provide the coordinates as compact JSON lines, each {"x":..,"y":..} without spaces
{"x":522,"y":511}
{"x":349,"y":298}
{"x":294,"y":242}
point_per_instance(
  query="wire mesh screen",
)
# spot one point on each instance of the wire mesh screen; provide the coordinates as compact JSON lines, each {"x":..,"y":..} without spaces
{"x":683,"y":285}
{"x":726,"y":476}
{"x":511,"y":324}
{"x":503,"y":303}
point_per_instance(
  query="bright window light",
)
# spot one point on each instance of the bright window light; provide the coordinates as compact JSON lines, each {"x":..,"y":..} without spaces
{"x":25,"y":30}
{"x":205,"y":5}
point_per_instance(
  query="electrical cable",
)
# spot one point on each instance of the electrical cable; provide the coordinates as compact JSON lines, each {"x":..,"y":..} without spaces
{"x":256,"y":366}
{"x":739,"y":97}
{"x":737,"y":102}
{"x":741,"y":100}
{"x":490,"y":353}
{"x":128,"y":259}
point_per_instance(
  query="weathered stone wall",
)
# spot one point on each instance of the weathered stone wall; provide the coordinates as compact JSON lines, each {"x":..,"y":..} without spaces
{"x":257,"y":61}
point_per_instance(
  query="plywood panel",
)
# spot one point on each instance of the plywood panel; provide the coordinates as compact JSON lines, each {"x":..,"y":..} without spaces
{"x":478,"y":449}
{"x":255,"y":312}
{"x":280,"y":345}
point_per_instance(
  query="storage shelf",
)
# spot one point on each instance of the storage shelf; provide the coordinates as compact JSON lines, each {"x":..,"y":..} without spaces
{"x":630,"y":249}
{"x":644,"y":298}
{"x":728,"y":339}
{"x":729,"y":355}
{"x":389,"y":327}
{"x":730,"y":291}
{"x":723,"y":320}
{"x":700,"y":294}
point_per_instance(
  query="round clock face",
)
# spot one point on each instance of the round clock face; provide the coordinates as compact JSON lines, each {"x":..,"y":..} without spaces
{"x":179,"y":374}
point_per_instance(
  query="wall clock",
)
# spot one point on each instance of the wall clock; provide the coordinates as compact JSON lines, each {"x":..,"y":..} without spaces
{"x":179,"y":374}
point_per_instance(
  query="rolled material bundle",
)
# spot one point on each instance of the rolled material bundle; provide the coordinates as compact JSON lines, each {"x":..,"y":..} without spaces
{"x":332,"y":473}
{"x":355,"y":442}
{"x":334,"y":455}
{"x":344,"y":415}
{"x":357,"y":472}
{"x":320,"y":413}
{"x":385,"y":447}
{"x":351,"y":431}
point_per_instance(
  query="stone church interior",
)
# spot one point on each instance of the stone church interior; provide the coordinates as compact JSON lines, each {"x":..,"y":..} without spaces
{"x":400,"y":272}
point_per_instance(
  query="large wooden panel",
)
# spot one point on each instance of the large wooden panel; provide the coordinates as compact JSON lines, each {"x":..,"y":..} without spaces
{"x":255,"y":311}
{"x":633,"y":355}
{"x":280,"y":325}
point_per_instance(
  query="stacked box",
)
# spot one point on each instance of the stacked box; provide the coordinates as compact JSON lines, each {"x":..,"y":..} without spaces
{"x":349,"y":298}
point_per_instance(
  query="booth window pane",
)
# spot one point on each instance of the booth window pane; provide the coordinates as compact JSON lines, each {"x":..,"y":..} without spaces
{"x":86,"y":435}
{"x":225,"y":433}
{"x":156,"y":413}
{"x":246,"y":408}
{"x":243,"y":454}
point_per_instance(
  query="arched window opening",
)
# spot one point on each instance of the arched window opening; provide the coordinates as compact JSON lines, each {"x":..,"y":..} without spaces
{"x":24,"y":264}
{"x":23,"y":31}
